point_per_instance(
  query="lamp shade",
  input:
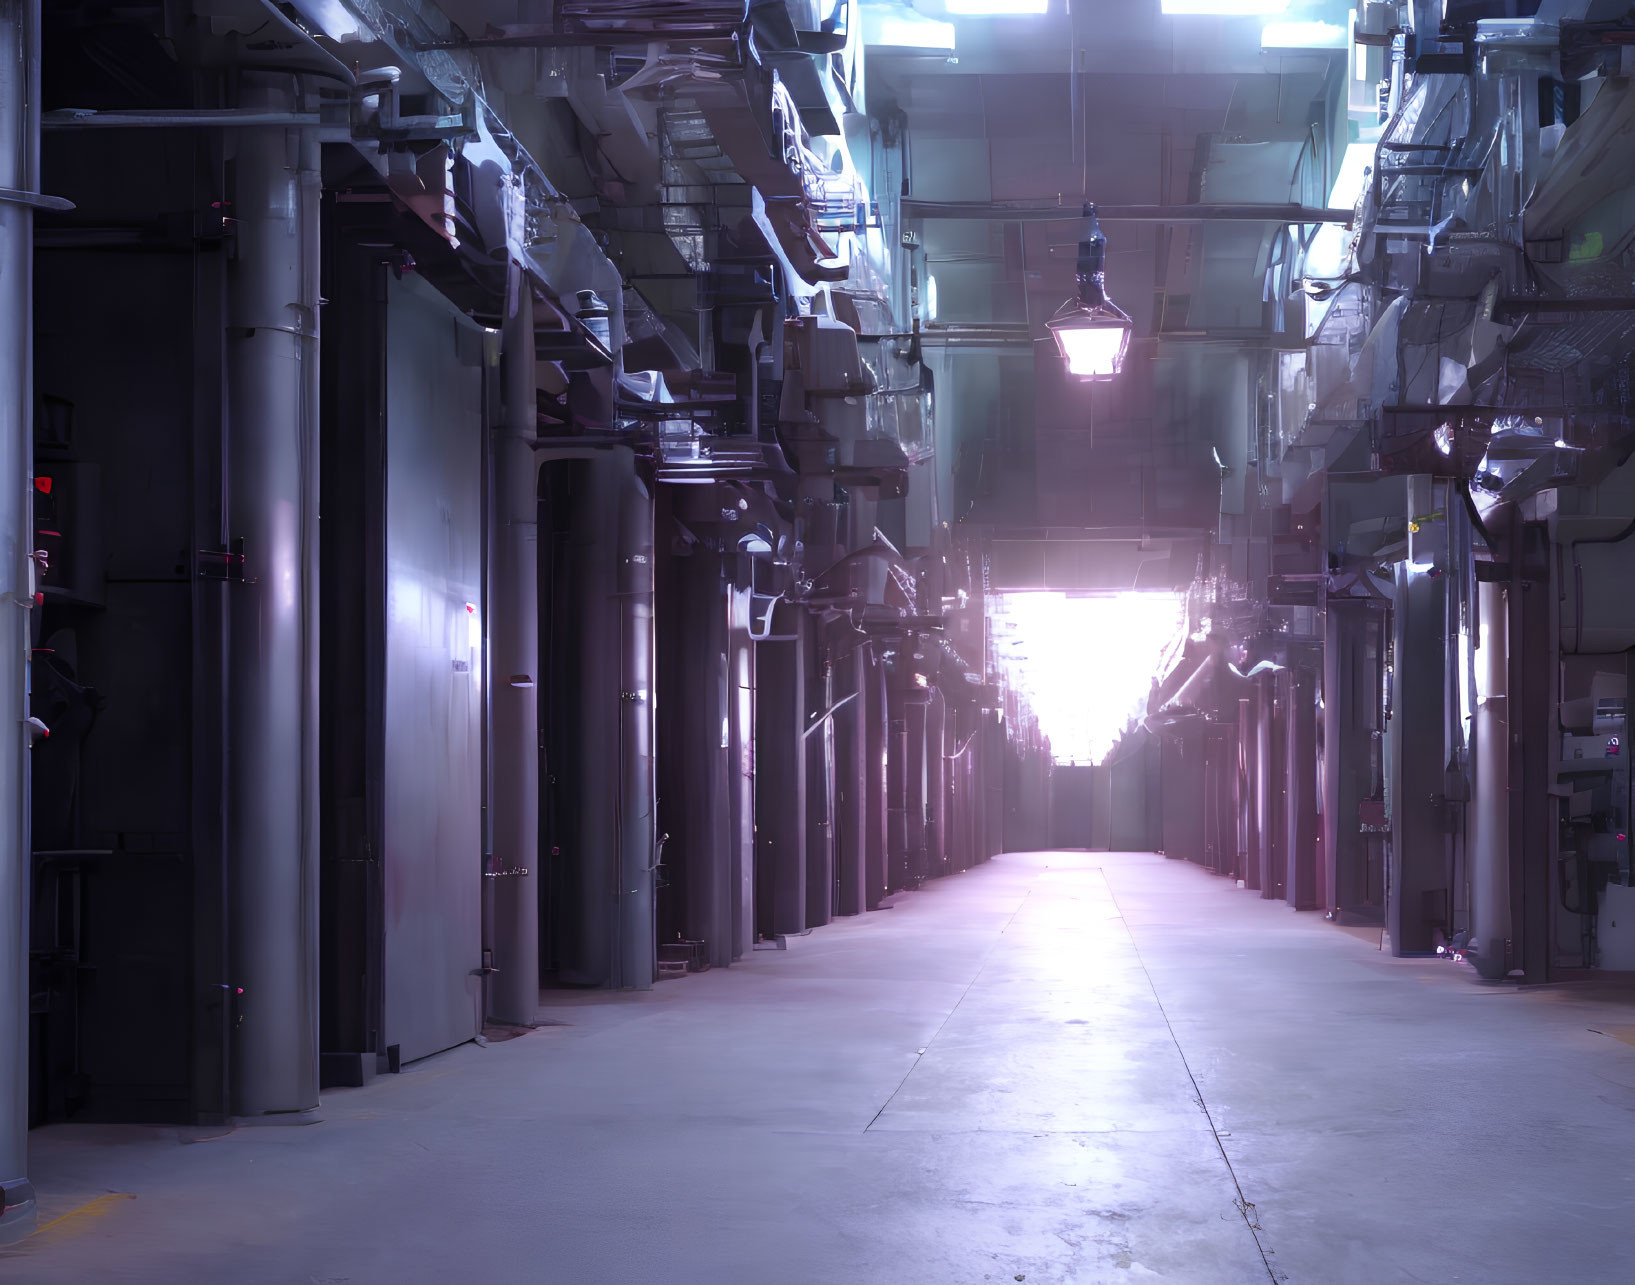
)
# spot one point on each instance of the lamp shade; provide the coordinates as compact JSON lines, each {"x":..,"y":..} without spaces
{"x":1092,"y":340}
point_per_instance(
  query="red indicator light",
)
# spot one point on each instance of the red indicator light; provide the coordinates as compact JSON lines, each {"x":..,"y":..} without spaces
{"x":43,"y":485}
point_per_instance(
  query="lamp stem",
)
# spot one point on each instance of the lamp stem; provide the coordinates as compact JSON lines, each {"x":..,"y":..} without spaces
{"x":1091,"y":270}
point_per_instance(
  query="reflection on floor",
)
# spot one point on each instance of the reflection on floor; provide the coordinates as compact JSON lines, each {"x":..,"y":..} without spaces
{"x":1068,"y":1067}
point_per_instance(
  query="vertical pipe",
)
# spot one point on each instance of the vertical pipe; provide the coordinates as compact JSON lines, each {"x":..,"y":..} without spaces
{"x":817,"y":748}
{"x":852,"y":754}
{"x":272,"y":474}
{"x":780,"y":785}
{"x":936,"y":785}
{"x":693,"y":715}
{"x":1263,"y":772}
{"x":742,"y":669}
{"x":513,"y":616}
{"x":20,"y":170}
{"x":635,"y":965}
{"x":896,"y":788}
{"x":1490,"y":813}
{"x":1418,"y":899}
{"x":1247,"y":838}
{"x":914,"y":795}
{"x":875,"y":855}
{"x":1301,"y":888}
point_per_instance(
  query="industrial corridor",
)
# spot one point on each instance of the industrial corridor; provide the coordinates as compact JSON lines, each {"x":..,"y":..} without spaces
{"x":1063,"y":1067}
{"x":868,"y":641}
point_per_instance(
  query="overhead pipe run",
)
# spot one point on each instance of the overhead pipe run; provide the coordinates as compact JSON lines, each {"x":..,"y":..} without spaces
{"x":1070,"y":211}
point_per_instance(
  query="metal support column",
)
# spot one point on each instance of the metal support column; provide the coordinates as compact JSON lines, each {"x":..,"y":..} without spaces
{"x":818,"y":741}
{"x":896,"y":787}
{"x":741,"y":788}
{"x":1418,"y":898}
{"x":272,"y":482}
{"x":936,"y":785}
{"x":1305,"y":836}
{"x":780,"y":782}
{"x":1531,"y":677}
{"x":852,"y":787}
{"x":19,"y":174}
{"x":915,"y":796}
{"x":635,"y":965}
{"x":878,"y":838}
{"x":514,"y":677}
{"x":1490,"y":810}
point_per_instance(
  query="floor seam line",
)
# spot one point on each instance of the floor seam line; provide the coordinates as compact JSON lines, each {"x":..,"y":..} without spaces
{"x":975,"y":977}
{"x":1244,"y":1205}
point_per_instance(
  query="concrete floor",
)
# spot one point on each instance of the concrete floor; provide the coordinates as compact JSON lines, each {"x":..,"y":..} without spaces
{"x":1059,"y":1068}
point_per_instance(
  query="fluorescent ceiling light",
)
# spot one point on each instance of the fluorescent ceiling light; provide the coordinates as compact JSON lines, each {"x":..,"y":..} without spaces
{"x":1302,"y":35}
{"x":930,"y":298}
{"x":1227,"y":8}
{"x":995,"y":8}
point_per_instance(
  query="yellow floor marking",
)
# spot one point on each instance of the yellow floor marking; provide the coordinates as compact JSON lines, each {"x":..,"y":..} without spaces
{"x":74,"y":1222}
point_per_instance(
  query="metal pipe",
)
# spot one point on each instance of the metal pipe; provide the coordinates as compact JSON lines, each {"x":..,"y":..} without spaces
{"x":513,"y":621}
{"x":19,"y":171}
{"x":272,"y":475}
{"x":1070,"y":210}
{"x":209,"y":118}
{"x":1490,"y":813}
{"x":635,"y":964}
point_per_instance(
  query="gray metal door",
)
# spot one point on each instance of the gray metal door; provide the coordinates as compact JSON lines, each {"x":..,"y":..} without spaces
{"x":432,"y":831}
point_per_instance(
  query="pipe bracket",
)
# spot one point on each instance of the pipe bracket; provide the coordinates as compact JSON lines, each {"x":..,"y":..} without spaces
{"x":34,"y":200}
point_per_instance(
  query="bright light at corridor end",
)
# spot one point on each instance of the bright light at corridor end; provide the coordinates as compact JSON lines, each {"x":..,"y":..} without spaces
{"x":1085,"y":664}
{"x":1229,"y":8}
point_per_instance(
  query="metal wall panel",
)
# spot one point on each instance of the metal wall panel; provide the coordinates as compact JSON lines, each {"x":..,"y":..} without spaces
{"x":433,"y":703}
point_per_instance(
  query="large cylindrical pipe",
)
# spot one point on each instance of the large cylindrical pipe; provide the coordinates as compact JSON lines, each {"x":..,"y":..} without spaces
{"x":513,"y":625}
{"x":20,"y":171}
{"x":875,"y":855}
{"x":635,"y":965}
{"x":741,"y":667}
{"x":272,"y":476}
{"x":936,"y":785}
{"x":817,"y":745}
{"x":694,"y":743}
{"x":1490,"y":810}
{"x":914,"y":793}
{"x":852,"y":787}
{"x":896,"y":788}
{"x":780,"y":784}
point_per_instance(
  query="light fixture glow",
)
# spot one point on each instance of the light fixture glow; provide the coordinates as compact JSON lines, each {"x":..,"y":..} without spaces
{"x":1302,"y":35}
{"x":900,"y":28}
{"x":996,"y":8}
{"x":1089,"y":662}
{"x":1094,"y":347}
{"x":1224,"y":8}
{"x":930,"y":298}
{"x":1443,"y":436}
{"x":1091,"y":332}
{"x":333,"y":18}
